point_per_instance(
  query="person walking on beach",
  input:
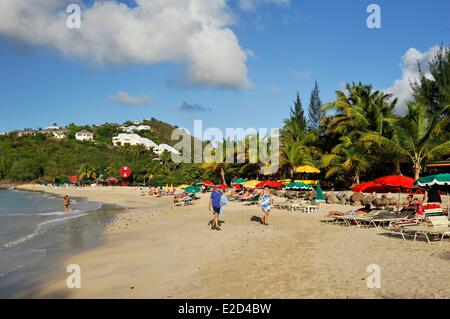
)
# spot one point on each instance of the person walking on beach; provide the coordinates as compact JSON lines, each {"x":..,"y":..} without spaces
{"x":66,"y":203}
{"x":223,"y":202}
{"x":265,"y":202}
{"x":214,"y":205}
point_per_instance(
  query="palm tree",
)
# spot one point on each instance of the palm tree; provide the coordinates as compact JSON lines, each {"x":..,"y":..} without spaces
{"x":360,"y":110}
{"x":219,"y":167}
{"x":297,"y":147}
{"x":347,"y":158}
{"x":415,"y":137}
{"x":87,"y":172}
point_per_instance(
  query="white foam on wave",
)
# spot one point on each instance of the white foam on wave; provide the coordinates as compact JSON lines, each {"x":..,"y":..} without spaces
{"x":40,"y":229}
{"x":72,"y":212}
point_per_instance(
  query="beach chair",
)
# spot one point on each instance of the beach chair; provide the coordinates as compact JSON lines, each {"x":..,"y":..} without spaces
{"x":359,"y":220}
{"x":438,"y":227}
{"x":387,"y":219}
{"x":308,"y":209}
{"x":252,"y":201}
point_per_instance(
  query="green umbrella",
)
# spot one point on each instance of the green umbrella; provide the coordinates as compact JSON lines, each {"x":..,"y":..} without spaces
{"x":441,"y":181}
{"x":192,"y":190}
{"x":239,"y":181}
{"x":298,"y":186}
{"x":319,"y":194}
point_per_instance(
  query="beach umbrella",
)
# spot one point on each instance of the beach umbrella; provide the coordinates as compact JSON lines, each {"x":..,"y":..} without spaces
{"x":298,"y":186}
{"x":112,"y":180}
{"x":251,"y":184}
{"x":396,"y":181}
{"x":307,"y":169}
{"x":437,"y":181}
{"x":183,"y":186}
{"x":367,"y":187}
{"x":270,"y":184}
{"x":319,"y":194}
{"x":207,"y":183}
{"x":192,"y":190}
{"x":99,"y":180}
{"x":238,"y":181}
{"x":74,"y":179}
{"x":223,"y":186}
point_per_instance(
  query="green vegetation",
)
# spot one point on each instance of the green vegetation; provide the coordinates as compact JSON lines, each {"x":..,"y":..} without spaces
{"x":359,"y":136}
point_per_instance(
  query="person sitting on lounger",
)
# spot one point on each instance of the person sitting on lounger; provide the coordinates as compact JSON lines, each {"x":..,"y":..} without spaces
{"x":420,"y":212}
{"x":410,"y":204}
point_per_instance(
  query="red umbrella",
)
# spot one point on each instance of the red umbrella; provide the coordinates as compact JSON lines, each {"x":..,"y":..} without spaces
{"x":74,"y":179}
{"x":271,"y":184}
{"x":366,"y":187}
{"x":237,"y":186}
{"x":396,"y":181}
{"x":223,"y":186}
{"x":207,"y":183}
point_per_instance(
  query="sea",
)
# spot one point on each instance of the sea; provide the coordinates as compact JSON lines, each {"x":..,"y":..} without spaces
{"x":26,"y":223}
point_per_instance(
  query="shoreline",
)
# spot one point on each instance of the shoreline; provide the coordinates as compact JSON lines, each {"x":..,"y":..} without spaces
{"x":68,"y":233}
{"x":154,"y":250}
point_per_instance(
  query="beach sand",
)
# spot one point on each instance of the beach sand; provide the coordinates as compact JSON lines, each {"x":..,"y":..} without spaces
{"x":155,"y":250}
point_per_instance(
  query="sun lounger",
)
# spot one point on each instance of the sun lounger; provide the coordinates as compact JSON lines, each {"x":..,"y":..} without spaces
{"x":386,"y":218}
{"x":360,"y":219}
{"x":252,"y":201}
{"x":438,"y":227}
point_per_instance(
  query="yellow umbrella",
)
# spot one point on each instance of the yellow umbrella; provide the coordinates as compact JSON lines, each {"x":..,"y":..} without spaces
{"x":307,"y":169}
{"x":251,"y":184}
{"x":183,"y":186}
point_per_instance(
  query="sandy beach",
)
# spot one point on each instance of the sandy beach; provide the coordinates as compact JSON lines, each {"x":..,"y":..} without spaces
{"x":155,"y":250}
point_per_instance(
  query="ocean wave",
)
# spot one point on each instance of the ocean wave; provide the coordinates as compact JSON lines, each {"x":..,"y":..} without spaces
{"x":16,"y":214}
{"x":70,"y":213}
{"x":40,"y":229}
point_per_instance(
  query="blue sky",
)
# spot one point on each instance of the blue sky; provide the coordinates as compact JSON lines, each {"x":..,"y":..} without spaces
{"x":288,"y":46}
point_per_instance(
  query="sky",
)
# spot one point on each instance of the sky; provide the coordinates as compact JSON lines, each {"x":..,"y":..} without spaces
{"x":236,"y":63}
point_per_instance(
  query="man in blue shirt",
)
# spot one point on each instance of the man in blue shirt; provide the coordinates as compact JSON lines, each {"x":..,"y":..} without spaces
{"x":214,"y":205}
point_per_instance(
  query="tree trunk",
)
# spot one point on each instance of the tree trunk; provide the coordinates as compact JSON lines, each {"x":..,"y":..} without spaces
{"x":416,"y":170}
{"x":357,"y":179}
{"x":222,"y":176}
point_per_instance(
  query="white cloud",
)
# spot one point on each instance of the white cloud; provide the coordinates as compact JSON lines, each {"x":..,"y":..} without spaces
{"x":401,"y":88}
{"x":194,"y":32}
{"x":123,"y":97}
{"x":302,"y":75}
{"x":250,"y":5}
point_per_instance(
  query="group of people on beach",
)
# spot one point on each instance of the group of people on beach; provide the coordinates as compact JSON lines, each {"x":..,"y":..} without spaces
{"x":218,"y":200}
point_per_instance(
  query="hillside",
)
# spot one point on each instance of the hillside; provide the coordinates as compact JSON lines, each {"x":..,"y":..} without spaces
{"x":41,"y":158}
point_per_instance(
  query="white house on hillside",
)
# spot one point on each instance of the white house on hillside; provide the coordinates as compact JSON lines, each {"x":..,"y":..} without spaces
{"x":84,"y":135}
{"x":133,"y":139}
{"x":164,"y":147}
{"x":133,"y":128}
